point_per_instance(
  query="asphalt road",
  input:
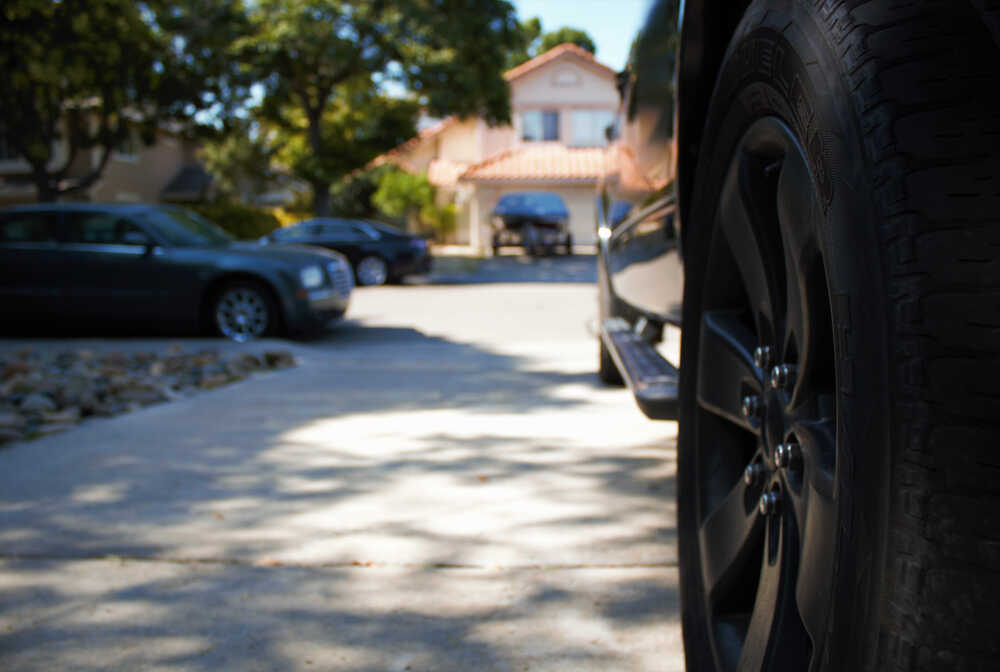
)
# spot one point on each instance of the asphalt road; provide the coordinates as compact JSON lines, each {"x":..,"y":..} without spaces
{"x":442,"y":484}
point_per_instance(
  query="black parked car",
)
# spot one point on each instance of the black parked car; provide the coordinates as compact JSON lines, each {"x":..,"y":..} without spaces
{"x":164,"y":265}
{"x":538,"y":221}
{"x":378,"y":253}
{"x":836,"y":198}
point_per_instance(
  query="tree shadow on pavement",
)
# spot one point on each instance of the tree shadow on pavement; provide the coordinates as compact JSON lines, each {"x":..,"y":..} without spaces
{"x":408,"y":503}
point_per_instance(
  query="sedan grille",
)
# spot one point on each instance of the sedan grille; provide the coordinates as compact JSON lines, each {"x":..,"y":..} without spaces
{"x":343,"y":279}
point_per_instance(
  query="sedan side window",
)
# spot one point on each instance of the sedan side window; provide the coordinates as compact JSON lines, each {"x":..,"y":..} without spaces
{"x":292,"y":233}
{"x":101,"y":228}
{"x":28,"y":227}
{"x":342,"y":231}
{"x":364,"y":232}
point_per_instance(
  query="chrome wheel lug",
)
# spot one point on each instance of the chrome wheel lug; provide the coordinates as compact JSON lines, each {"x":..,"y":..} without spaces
{"x":751,"y":406}
{"x":783,"y":376}
{"x":787,"y":455}
{"x":769,"y":503}
{"x":753,"y":473}
{"x":763,"y":357}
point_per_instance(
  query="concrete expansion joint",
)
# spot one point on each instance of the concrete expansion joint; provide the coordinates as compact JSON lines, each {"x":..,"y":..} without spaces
{"x":265,"y":563}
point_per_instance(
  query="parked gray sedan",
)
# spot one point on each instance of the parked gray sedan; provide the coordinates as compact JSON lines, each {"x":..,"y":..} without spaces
{"x":163,"y":265}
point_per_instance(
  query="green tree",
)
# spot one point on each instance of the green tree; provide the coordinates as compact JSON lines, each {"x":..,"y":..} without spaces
{"x":529,"y":34}
{"x":202,"y":73}
{"x":533,"y":41}
{"x":403,"y":195}
{"x":566,"y":34}
{"x":80,"y":75}
{"x":352,"y":196}
{"x":410,"y":197}
{"x":75,"y":75}
{"x":323,"y":62}
{"x":239,"y":158}
{"x":356,"y":125}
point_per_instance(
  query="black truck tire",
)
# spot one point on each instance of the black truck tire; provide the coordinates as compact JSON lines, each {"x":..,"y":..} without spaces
{"x":843,"y":513}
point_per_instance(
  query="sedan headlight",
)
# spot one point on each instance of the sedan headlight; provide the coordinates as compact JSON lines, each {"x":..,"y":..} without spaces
{"x":311,"y":277}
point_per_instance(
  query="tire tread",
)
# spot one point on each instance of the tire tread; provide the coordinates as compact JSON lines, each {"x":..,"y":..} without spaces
{"x":914,"y":66}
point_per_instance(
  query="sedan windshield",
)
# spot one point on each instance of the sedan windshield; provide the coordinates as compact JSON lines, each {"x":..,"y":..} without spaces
{"x":183,"y":228}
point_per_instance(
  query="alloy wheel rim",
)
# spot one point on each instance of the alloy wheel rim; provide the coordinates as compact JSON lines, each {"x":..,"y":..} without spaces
{"x":372,"y":271}
{"x":765,"y":425}
{"x":241,"y":314}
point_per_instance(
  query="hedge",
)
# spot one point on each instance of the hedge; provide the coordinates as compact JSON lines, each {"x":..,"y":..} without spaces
{"x":242,"y":221}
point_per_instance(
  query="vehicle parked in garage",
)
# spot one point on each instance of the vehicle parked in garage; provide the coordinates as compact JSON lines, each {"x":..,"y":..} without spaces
{"x":831,"y":173}
{"x":163,"y":265}
{"x":379,"y":253}
{"x":538,"y":221}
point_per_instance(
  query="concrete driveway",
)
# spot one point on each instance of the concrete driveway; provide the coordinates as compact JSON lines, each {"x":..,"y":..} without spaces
{"x":441,"y":485}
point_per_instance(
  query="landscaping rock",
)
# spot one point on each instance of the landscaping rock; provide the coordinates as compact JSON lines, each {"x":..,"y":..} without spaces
{"x":279,"y":360}
{"x":38,"y":403}
{"x":66,"y":415}
{"x":10,"y":434}
{"x":45,"y":394}
{"x":12,"y":369}
{"x":140,"y":393}
{"x":12,"y":421}
{"x":214,"y":380}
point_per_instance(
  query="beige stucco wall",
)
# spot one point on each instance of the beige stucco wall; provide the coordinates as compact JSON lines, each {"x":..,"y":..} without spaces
{"x":421,"y":156}
{"x":461,"y":142}
{"x":582,"y":204}
{"x":565,"y":82}
{"x":564,"y":85}
{"x":497,"y":139}
{"x":142,"y":177}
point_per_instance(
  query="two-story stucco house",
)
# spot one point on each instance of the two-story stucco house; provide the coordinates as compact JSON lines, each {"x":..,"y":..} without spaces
{"x":562,"y":101}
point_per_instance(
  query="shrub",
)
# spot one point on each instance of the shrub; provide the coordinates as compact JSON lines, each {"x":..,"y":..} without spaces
{"x":440,"y":219}
{"x":243,"y":221}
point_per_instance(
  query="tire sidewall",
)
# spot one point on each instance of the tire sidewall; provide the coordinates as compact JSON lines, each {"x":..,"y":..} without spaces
{"x":764,"y":74}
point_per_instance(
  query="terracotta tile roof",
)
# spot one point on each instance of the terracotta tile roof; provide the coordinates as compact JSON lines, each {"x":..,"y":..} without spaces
{"x":445,"y":173}
{"x":426,"y":134}
{"x":543,"y":161}
{"x":551,"y":55}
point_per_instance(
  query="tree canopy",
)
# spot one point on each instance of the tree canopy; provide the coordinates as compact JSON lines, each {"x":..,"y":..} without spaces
{"x":533,"y":41}
{"x":76,"y":71}
{"x":338,"y":81}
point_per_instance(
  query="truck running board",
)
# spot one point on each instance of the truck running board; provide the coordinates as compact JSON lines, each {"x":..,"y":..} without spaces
{"x":652,"y":379}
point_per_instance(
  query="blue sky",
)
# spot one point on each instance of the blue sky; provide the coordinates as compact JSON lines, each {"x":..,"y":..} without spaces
{"x":610,"y":23}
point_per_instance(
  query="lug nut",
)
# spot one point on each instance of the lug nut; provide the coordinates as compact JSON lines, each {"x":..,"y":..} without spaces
{"x":769,"y":503}
{"x":751,"y":406}
{"x":786,"y":455}
{"x":753,"y":473}
{"x":762,"y":357}
{"x":783,"y":376}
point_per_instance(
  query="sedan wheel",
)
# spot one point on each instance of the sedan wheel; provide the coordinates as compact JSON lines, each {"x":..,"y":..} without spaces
{"x":243,"y":312}
{"x":371,"y":271}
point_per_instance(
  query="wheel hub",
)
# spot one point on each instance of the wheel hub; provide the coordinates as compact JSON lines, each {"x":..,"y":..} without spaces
{"x":766,"y":417}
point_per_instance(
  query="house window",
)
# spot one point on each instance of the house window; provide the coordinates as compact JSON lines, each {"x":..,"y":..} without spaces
{"x":539,"y":125}
{"x":7,"y":151}
{"x":590,"y":126}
